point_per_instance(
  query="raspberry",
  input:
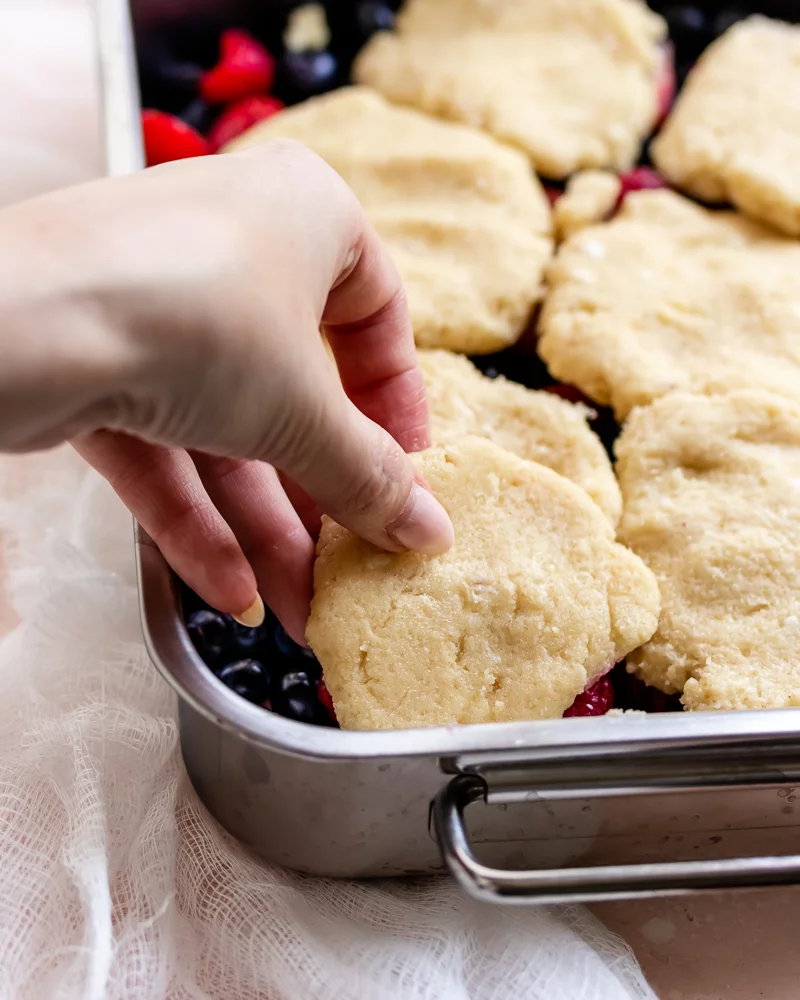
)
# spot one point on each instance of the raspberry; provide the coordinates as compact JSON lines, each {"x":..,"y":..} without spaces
{"x":244,"y":68}
{"x":325,"y":699}
{"x":570,"y":393}
{"x":168,"y":138}
{"x":666,"y":83}
{"x":639,"y":179}
{"x":553,"y":194}
{"x":596,"y":700}
{"x":239,"y":117}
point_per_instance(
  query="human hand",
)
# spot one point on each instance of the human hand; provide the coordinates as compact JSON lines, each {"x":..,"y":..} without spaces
{"x":211,"y":279}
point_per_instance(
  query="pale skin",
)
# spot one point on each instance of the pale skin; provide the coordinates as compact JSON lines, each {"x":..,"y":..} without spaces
{"x":168,"y":325}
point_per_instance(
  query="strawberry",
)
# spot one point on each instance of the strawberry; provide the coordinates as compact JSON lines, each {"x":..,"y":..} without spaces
{"x":240,"y":116}
{"x":596,"y":700}
{"x":244,"y":68}
{"x":168,"y":138}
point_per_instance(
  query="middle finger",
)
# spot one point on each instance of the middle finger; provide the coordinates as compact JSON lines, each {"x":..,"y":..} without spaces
{"x":250,"y":497}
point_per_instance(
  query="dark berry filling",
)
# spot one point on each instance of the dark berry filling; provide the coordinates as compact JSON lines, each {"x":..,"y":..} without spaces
{"x":261,"y":664}
{"x":634,"y":693}
{"x":372,"y":17}
{"x":640,"y":179}
{"x":264,"y":666}
{"x":210,"y":633}
{"x":248,"y":678}
{"x":595,"y":700}
{"x":305,"y":74}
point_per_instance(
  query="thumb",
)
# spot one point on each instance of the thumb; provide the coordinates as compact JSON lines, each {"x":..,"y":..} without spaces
{"x":344,"y":455}
{"x":362,"y":478}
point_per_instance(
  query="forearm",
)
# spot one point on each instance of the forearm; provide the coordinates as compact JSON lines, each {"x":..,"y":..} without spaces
{"x":66,"y":359}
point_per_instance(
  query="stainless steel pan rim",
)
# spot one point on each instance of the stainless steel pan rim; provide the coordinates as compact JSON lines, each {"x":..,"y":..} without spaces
{"x":178,"y":662}
{"x":518,"y":762}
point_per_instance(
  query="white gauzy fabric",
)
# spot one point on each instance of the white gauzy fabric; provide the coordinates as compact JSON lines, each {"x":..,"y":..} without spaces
{"x":114,"y":880}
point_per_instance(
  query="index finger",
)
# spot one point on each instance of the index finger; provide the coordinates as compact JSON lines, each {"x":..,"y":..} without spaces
{"x":368,"y":326}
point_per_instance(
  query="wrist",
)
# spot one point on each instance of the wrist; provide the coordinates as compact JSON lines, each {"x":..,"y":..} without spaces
{"x":66,"y":361}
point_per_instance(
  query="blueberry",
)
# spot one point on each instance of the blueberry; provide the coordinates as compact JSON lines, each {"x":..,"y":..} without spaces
{"x":688,"y":28}
{"x":310,"y":72}
{"x":300,"y":704}
{"x":295,"y":679}
{"x":168,"y":82}
{"x":198,"y":115}
{"x":190,"y":602}
{"x":248,"y":678}
{"x":288,"y":648}
{"x":372,"y":17}
{"x":683,"y":17}
{"x":725,"y":19}
{"x":210,"y":633}
{"x":247,"y":639}
{"x":285,"y":646}
{"x":310,"y":664}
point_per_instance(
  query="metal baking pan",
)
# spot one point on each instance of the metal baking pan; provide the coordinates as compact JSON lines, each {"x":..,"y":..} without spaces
{"x":581,"y":809}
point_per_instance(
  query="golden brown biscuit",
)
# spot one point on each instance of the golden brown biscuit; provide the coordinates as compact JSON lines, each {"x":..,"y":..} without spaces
{"x":534,"y":601}
{"x":535,"y":425}
{"x":465,"y":219}
{"x":669,"y":295}
{"x":711,"y":488}
{"x":590,"y":197}
{"x":734,"y":133}
{"x":573,"y":83}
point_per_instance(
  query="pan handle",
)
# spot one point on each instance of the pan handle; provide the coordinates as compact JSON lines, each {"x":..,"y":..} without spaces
{"x":592,"y":884}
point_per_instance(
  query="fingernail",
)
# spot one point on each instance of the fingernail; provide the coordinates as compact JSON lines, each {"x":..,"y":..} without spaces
{"x":424,"y":525}
{"x":253,"y":616}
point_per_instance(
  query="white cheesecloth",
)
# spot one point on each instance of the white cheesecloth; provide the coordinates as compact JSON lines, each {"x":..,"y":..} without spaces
{"x":116,"y":883}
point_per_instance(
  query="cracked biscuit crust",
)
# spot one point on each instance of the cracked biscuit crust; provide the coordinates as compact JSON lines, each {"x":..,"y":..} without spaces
{"x":570,"y":82}
{"x":734,"y":133}
{"x":539,"y":426}
{"x":669,"y":295}
{"x":711,"y":488}
{"x":534,"y":601}
{"x":466,"y":221}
